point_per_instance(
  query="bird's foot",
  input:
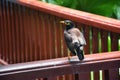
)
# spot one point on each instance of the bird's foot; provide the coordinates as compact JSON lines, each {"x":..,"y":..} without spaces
{"x":69,"y":57}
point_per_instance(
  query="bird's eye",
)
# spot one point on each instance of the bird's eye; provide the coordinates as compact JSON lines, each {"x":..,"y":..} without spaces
{"x":67,"y":23}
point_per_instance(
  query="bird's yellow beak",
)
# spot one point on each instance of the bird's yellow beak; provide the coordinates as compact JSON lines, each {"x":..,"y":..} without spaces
{"x":62,"y":22}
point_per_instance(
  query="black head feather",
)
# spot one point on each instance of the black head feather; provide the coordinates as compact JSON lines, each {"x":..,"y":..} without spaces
{"x":69,"y":24}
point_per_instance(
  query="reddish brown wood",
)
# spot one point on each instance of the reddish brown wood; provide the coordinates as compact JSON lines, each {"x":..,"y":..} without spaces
{"x":44,"y":36}
{"x":34,"y":34}
{"x":78,"y":16}
{"x":21,"y":30}
{"x":46,"y":40}
{"x":1,"y":29}
{"x":95,"y":40}
{"x":111,"y":74}
{"x":95,"y":47}
{"x":24,"y":38}
{"x":31,"y":33}
{"x":114,"y":41}
{"x":4,"y":30}
{"x":41,"y":35}
{"x":104,"y":41}
{"x":87,"y":38}
{"x":16,"y":33}
{"x":114,"y":74}
{"x":104,"y":46}
{"x":38,"y":35}
{"x":38,"y":45}
{"x":52,"y":78}
{"x":52,"y":36}
{"x":9,"y":33}
{"x":58,"y":38}
{"x":25,"y":27}
{"x":83,"y":75}
{"x":61,"y":66}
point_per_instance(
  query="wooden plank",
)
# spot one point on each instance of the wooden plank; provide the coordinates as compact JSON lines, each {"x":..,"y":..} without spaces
{"x":9,"y":32}
{"x":34,"y":34}
{"x":17,"y":45}
{"x":25,"y":30}
{"x":41,"y":25}
{"x":52,"y":36}
{"x":109,"y":74}
{"x":104,"y":40}
{"x":114,"y":41}
{"x":31,"y":35}
{"x":58,"y":38}
{"x":14,"y":34}
{"x":104,"y":47}
{"x":6,"y":30}
{"x":61,"y":66}
{"x":2,"y":31}
{"x":52,"y":78}
{"x":114,"y":76}
{"x":95,"y":48}
{"x":21,"y":32}
{"x":87,"y":38}
{"x":95,"y":40}
{"x":47,"y":23}
{"x":83,"y":75}
{"x":43,"y":37}
{"x":38,"y":32}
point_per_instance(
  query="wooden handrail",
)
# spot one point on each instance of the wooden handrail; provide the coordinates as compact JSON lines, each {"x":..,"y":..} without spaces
{"x":60,"y":66}
{"x":75,"y":15}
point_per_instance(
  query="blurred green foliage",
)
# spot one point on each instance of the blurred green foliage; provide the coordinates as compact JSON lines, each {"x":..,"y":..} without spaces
{"x":109,"y":8}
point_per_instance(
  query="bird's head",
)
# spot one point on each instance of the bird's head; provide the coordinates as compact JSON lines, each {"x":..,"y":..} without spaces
{"x":68,"y":23}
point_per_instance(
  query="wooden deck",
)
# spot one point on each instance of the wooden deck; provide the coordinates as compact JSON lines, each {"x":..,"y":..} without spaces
{"x":30,"y":31}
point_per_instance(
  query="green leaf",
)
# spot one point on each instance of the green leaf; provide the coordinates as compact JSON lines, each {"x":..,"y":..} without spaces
{"x":101,"y":7}
{"x":117,"y":11}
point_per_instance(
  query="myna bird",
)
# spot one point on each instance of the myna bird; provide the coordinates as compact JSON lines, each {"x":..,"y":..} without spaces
{"x":74,"y":39}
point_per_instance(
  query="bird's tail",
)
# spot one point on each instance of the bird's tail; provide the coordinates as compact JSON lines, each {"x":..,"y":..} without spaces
{"x":80,"y":54}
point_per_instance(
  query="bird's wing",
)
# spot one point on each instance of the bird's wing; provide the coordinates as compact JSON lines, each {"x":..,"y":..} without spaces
{"x":81,"y":39}
{"x":77,"y":36}
{"x":69,"y":40}
{"x":67,"y":36}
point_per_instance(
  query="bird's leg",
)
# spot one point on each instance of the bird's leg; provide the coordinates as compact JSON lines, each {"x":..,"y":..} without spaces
{"x":75,"y":51}
{"x":69,"y":56}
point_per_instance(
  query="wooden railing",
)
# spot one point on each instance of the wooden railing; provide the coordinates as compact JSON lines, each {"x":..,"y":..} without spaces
{"x":30,"y":31}
{"x":50,"y":69}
